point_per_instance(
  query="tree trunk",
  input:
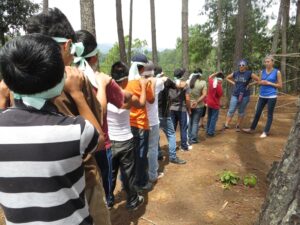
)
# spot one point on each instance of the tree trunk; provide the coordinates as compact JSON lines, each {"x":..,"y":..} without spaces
{"x":219,"y":48}
{"x":122,"y":47}
{"x":277,"y":29}
{"x":239,"y":39}
{"x":185,"y":36}
{"x":87,"y":16}
{"x":45,"y":6}
{"x":285,"y":23}
{"x":130,"y":32}
{"x":2,"y":37}
{"x":282,"y":203}
{"x":296,"y":42}
{"x":153,"y":33}
{"x":240,"y":32}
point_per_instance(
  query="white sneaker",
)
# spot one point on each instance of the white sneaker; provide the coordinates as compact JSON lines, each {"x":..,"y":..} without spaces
{"x":190,"y":147}
{"x":263,"y":135}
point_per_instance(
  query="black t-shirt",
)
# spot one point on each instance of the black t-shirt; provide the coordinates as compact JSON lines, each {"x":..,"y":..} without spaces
{"x":164,"y":101}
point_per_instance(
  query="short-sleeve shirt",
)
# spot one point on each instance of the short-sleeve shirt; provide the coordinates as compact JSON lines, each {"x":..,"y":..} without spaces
{"x":152,"y":109}
{"x":115,"y":96}
{"x":178,"y":99}
{"x":41,"y":166}
{"x":139,"y":116}
{"x":241,"y":79}
{"x":67,"y":106}
{"x":164,"y":100}
{"x":196,"y":92}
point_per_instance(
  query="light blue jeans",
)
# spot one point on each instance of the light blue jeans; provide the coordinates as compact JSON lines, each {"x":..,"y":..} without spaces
{"x":167,"y":127}
{"x":235,"y":104}
{"x":194,"y":125}
{"x":153,"y":152}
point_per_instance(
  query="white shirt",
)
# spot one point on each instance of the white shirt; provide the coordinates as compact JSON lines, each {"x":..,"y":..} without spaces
{"x":118,"y":121}
{"x":152,"y":109}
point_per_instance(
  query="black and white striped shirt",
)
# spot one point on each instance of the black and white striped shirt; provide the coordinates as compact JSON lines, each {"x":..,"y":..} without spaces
{"x":41,"y":172}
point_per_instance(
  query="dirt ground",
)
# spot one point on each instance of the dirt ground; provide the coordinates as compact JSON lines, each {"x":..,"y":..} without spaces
{"x":192,"y":195}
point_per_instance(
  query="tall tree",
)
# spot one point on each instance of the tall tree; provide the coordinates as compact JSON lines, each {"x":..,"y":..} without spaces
{"x":87,"y":16}
{"x":282,"y":203}
{"x":130,"y":31}
{"x":296,"y":48}
{"x":185,"y":36}
{"x":153,"y":33}
{"x":240,"y":31}
{"x":122,"y":47}
{"x":45,"y":5}
{"x":219,"y":47}
{"x":277,"y":28}
{"x":14,"y":16}
{"x":285,"y":24}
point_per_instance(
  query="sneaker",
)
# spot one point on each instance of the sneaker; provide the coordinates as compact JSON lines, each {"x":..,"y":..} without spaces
{"x":237,"y":128}
{"x":190,"y":147}
{"x":248,"y":131}
{"x":177,"y":161}
{"x":138,"y":203}
{"x":226,"y":127}
{"x":147,"y":187}
{"x":210,"y":135}
{"x":263,"y":135}
{"x":184,"y":150}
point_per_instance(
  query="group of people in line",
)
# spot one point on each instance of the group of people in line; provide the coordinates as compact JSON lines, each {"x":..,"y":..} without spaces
{"x":64,"y":125}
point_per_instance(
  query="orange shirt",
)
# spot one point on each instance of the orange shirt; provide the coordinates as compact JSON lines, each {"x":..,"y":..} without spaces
{"x":139,"y":117}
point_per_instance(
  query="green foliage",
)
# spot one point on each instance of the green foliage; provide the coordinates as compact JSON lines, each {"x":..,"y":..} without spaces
{"x":250,"y":180}
{"x":106,"y":61}
{"x":228,"y":178}
{"x":14,"y":15}
{"x":258,"y":39}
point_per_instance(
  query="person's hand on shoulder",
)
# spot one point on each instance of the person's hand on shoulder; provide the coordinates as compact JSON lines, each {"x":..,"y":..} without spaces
{"x":74,"y":80}
{"x":102,"y":79}
{"x":143,"y":82}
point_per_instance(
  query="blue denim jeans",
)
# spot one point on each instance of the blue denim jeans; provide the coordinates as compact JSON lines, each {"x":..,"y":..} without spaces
{"x":153,"y":152}
{"x":104,"y":161}
{"x":260,"y":106}
{"x":181,"y":118}
{"x":141,"y":138}
{"x":212,"y":118}
{"x":167,"y":127}
{"x":194,"y":125}
{"x":235,"y":104}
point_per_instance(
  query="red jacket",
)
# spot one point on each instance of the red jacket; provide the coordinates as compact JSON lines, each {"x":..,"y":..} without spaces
{"x":214,"y":94}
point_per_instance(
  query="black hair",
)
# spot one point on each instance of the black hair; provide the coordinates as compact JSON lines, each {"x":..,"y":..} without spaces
{"x":157,"y":70}
{"x":193,"y":80}
{"x":52,"y":23}
{"x":198,"y":70}
{"x":220,"y":75}
{"x":88,"y":40}
{"x":140,"y":67}
{"x":119,"y":70}
{"x":31,"y":64}
{"x":178,"y":73}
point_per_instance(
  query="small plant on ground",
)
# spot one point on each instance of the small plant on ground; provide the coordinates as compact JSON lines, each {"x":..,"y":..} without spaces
{"x":228,"y":178}
{"x":250,"y":180}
